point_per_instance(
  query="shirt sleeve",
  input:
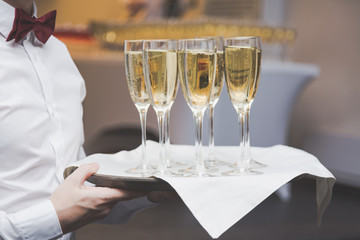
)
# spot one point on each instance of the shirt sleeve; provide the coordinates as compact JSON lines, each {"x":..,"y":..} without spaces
{"x":123,"y":211}
{"x":36,"y":222}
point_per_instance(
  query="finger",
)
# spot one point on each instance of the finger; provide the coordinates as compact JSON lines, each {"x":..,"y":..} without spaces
{"x":113,"y":194}
{"x":83,"y":172}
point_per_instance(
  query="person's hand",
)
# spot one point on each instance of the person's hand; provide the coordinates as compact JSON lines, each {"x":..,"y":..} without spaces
{"x":77,"y":205}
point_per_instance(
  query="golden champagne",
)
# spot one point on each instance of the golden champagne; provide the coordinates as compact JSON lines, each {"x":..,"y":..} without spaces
{"x":254,"y":87}
{"x":162,"y":73}
{"x":196,"y":77}
{"x":219,"y":78}
{"x":181,"y":70}
{"x":242,"y":66}
{"x":135,"y":78}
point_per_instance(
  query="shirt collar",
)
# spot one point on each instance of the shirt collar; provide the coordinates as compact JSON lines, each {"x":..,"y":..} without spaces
{"x":7,"y":15}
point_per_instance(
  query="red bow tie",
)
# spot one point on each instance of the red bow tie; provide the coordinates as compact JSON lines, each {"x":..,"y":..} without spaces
{"x":43,"y":27}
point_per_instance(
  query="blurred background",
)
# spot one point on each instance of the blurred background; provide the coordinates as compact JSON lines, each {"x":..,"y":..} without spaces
{"x":308,"y":98}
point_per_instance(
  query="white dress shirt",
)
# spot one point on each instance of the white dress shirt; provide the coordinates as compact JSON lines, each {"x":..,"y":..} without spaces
{"x":41,"y":131}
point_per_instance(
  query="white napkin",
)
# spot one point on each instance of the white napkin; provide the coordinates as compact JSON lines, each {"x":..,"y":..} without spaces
{"x":219,"y":202}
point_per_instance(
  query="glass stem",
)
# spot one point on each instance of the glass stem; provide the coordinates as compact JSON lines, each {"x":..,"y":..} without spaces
{"x":241,"y":163}
{"x":199,"y":161}
{"x":211,"y":137}
{"x":247,"y":151}
{"x":162,"y":160}
{"x":167,"y":138}
{"x":144,"y":162}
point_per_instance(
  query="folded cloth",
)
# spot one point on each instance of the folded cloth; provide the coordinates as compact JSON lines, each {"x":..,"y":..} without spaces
{"x":219,"y":202}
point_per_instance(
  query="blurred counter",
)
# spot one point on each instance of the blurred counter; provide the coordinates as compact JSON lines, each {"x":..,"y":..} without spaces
{"x":337,"y":147}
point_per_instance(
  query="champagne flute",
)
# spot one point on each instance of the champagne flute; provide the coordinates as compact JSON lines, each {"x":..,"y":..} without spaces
{"x":197,"y":66}
{"x":211,"y":160}
{"x":242,"y":64}
{"x":160,"y":64}
{"x":139,"y":95}
{"x":252,"y":92}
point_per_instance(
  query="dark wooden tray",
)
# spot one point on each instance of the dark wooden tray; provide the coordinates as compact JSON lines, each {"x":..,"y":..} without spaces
{"x":122,"y":182}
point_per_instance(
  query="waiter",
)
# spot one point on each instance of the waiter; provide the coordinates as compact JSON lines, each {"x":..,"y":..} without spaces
{"x":41,"y":132}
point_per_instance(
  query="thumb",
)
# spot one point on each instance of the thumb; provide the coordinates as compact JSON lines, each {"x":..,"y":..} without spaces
{"x":83,"y":172}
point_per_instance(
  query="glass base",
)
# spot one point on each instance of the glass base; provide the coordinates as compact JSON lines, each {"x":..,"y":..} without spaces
{"x":174,"y":164}
{"x":255,"y":164}
{"x":241,"y":172}
{"x":193,"y":171}
{"x":168,"y":173}
{"x":252,"y":164}
{"x":140,"y":170}
{"x":213,"y":163}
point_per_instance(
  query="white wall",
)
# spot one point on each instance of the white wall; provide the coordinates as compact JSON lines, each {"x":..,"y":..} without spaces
{"x":329,"y":36}
{"x":326,"y":121}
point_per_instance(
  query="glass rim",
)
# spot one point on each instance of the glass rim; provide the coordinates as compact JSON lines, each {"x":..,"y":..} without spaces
{"x":159,"y":40}
{"x":243,"y":38}
{"x":195,"y":39}
{"x":133,"y":41}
